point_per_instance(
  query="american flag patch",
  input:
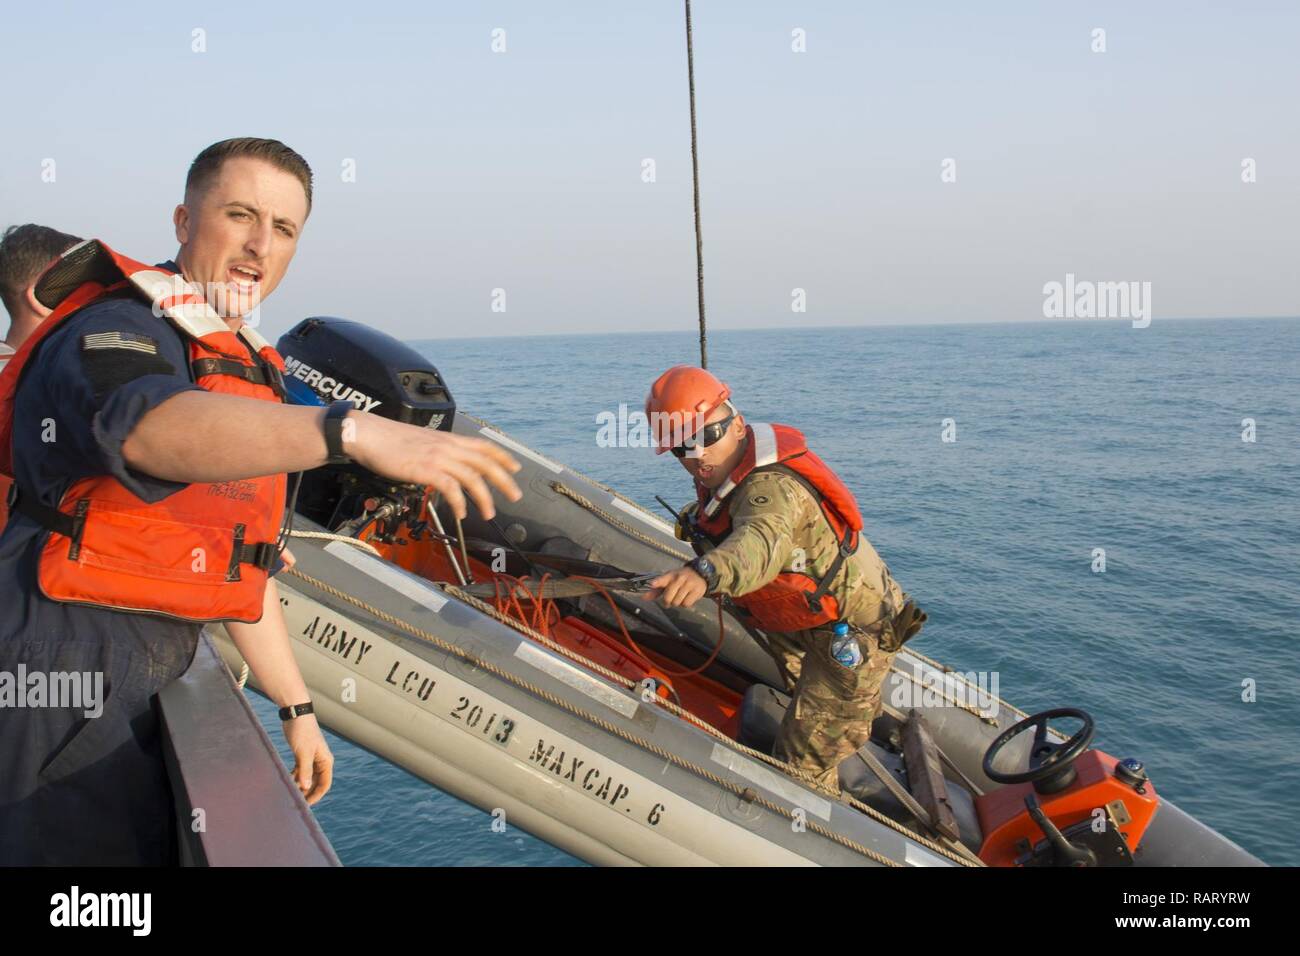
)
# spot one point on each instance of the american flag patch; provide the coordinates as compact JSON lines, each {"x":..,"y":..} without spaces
{"x":132,"y":341}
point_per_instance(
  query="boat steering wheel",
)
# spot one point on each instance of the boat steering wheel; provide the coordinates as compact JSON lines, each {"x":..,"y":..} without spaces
{"x":1049,"y":763}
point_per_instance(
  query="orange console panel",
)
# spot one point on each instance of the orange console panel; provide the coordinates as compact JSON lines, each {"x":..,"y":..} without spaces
{"x":1009,"y":830}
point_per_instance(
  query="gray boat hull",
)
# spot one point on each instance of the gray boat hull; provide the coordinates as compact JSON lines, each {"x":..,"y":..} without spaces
{"x":515,"y":728}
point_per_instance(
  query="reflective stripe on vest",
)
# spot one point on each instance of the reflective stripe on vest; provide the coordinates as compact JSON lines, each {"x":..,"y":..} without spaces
{"x":762,"y":443}
{"x":200,"y":554}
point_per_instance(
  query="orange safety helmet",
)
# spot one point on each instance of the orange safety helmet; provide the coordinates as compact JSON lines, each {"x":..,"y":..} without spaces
{"x":679,"y":401}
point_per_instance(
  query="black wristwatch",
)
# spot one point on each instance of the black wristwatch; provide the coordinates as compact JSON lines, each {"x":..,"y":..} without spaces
{"x":705,"y":569}
{"x":297,"y":710}
{"x":334,"y":417}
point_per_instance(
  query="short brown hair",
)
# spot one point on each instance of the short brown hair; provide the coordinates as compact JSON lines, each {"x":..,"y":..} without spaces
{"x":208,"y":163}
{"x":25,"y":251}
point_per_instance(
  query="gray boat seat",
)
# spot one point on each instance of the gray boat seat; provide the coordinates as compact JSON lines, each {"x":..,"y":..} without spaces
{"x":761,"y":711}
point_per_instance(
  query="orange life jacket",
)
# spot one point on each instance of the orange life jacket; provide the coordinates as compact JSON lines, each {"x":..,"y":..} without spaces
{"x":792,"y":601}
{"x":200,"y":554}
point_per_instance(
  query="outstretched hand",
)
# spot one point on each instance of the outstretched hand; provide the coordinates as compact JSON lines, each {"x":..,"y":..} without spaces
{"x":452,"y":465}
{"x":679,"y":588}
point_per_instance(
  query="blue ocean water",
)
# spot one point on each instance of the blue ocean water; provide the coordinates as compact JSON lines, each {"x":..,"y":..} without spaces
{"x":1070,"y":436}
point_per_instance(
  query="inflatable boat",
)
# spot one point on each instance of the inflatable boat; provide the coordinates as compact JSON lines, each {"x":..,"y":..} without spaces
{"x":520,"y":665}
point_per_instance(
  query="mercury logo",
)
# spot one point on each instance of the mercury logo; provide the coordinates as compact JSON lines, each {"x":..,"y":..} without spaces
{"x":328,"y":387}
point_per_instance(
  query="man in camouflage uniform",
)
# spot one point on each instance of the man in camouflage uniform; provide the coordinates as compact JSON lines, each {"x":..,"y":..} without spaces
{"x":777,"y":526}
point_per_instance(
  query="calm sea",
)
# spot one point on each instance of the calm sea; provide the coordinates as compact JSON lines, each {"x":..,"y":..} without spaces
{"x":1070,"y":437}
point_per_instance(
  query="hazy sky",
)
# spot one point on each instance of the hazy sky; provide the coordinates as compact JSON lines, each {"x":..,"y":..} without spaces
{"x":820,"y":170}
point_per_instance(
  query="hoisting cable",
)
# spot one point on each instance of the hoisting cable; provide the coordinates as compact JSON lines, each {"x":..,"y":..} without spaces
{"x":695,"y":180}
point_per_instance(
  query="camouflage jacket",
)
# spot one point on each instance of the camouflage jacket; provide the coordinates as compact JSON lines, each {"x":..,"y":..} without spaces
{"x":778,"y":527}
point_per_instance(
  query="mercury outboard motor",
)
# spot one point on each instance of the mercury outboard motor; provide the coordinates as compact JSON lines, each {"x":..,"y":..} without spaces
{"x":328,"y":360}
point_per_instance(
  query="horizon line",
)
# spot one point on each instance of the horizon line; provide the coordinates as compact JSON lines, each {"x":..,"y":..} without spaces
{"x":858,"y":325}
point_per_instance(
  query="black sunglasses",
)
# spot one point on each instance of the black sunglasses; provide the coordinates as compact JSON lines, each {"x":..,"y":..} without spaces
{"x":710,"y":434}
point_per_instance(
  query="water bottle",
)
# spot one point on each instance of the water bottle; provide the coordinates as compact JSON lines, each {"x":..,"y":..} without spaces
{"x":844,"y":646}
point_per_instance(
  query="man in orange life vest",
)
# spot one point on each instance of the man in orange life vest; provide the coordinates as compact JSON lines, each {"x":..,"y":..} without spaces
{"x":25,"y":251}
{"x":780,"y":534}
{"x":144,"y":428}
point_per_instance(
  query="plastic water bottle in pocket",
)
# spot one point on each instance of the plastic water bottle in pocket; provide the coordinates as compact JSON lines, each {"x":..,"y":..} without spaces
{"x":844,"y":646}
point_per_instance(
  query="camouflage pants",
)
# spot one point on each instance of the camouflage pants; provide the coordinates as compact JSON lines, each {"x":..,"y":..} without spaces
{"x":833,"y":707}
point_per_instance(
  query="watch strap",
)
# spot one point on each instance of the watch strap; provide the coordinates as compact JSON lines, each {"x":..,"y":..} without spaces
{"x":705,"y":569}
{"x":296,"y":710}
{"x":334,"y":418}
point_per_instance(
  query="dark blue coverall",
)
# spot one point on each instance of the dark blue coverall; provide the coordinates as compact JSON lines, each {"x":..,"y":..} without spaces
{"x":78,"y":790}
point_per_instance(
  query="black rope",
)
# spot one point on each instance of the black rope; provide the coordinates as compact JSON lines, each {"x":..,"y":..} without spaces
{"x":695,"y":175}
